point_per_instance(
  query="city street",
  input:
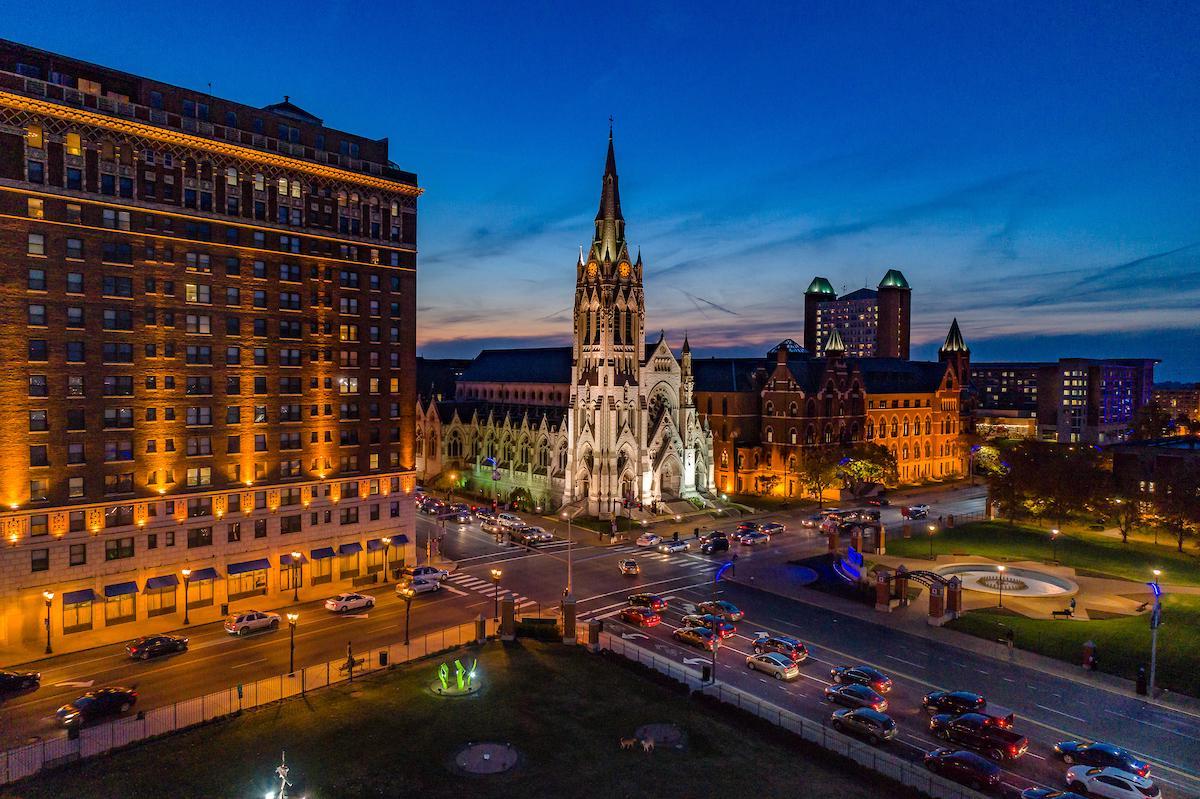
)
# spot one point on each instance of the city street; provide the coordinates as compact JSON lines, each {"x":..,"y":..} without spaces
{"x":1048,"y":708}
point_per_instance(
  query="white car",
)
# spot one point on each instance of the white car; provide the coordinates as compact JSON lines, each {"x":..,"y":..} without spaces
{"x":510,"y":520}
{"x":344,"y":602}
{"x":1110,"y":782}
{"x":427,"y":573}
{"x":249,"y":621}
{"x":671,"y":547}
{"x":414,"y":587}
{"x":649,"y":540}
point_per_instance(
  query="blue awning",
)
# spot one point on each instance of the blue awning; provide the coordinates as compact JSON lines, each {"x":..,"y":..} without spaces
{"x":286,"y":560}
{"x":321,"y":552}
{"x":374,"y":544}
{"x":120,"y":589}
{"x":400,"y":539}
{"x":204,"y":574}
{"x":78,"y":597}
{"x":248,"y":566}
{"x":166,"y":581}
{"x":350,"y":549}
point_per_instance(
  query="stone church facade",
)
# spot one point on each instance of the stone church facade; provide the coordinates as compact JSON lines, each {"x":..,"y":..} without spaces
{"x":609,"y":421}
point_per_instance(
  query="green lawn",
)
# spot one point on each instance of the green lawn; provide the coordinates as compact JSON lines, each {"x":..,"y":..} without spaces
{"x":1085,"y":551}
{"x":1122,"y":644}
{"x":561,"y":707}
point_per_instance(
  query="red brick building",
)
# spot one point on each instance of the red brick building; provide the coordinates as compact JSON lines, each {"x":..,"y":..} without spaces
{"x":209,"y":315}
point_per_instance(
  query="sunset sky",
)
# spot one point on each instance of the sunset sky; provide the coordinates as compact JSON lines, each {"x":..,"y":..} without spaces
{"x":1031,"y":168}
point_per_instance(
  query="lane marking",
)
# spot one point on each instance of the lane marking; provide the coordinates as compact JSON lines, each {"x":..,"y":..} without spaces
{"x":248,"y":663}
{"x":1059,"y":712}
{"x":453,"y":590}
{"x":1150,"y":724}
{"x":902,"y":660}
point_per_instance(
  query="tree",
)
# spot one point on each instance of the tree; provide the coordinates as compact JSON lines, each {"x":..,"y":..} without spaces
{"x":817,"y":468}
{"x":1152,"y":421}
{"x":865,"y":466}
{"x":1177,"y":499}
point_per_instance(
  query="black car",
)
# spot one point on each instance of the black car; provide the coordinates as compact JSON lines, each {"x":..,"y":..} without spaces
{"x":12,"y":682}
{"x":715,"y":545}
{"x":1101,"y":754}
{"x":783,"y":644}
{"x":150,"y":646}
{"x":1048,"y":793}
{"x":879,"y":501}
{"x":652,"y":601}
{"x":862,"y":675}
{"x":956,"y":702}
{"x":963,"y":767}
{"x":855,"y":696}
{"x":871,"y":724}
{"x":96,"y":705}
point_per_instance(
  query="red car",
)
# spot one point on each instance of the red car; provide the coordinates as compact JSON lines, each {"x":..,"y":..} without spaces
{"x":640,"y":617}
{"x":652,"y":601}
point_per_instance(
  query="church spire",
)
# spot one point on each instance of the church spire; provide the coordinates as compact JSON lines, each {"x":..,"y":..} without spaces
{"x":954,"y":340}
{"x":609,"y":243}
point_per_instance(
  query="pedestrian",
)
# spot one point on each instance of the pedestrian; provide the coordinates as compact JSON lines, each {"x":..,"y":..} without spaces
{"x":733,"y":566}
{"x":676,"y":535}
{"x":1010,"y":637}
{"x":1072,"y":607}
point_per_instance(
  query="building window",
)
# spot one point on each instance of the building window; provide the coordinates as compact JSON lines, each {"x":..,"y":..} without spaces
{"x":120,"y":609}
{"x":160,"y":601}
{"x":118,"y":548}
{"x":199,"y":594}
{"x":321,"y":571}
{"x":77,"y":616}
{"x":247,"y":584}
{"x":39,"y":560}
{"x":78,"y":554}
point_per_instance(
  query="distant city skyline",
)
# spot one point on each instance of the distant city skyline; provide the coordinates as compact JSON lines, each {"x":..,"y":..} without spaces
{"x":1030,"y":169}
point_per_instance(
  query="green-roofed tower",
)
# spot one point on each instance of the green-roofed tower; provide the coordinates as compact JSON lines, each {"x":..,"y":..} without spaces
{"x":819,"y":290}
{"x":895,"y":301}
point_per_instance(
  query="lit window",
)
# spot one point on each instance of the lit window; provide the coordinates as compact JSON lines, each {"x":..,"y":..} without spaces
{"x":36,"y":210}
{"x":34,"y":137}
{"x":74,"y":145}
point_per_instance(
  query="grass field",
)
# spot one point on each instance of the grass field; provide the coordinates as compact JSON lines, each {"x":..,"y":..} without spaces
{"x":1122,"y":644}
{"x":1086,"y":552}
{"x":561,"y":707}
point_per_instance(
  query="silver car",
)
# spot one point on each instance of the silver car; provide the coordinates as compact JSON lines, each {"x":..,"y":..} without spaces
{"x":670,"y":546}
{"x":778,"y":666}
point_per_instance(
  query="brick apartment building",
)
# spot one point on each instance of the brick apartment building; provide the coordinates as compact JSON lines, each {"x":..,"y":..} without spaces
{"x":872,"y":323}
{"x":209,"y":316}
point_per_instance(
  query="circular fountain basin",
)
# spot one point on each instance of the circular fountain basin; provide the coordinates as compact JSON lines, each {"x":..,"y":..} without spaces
{"x":1016,"y":580}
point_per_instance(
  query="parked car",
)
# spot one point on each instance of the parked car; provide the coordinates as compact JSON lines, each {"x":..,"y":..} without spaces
{"x":694,"y":636}
{"x":855,"y":696}
{"x":783,"y":645}
{"x":973,"y":731}
{"x":707,"y":620}
{"x":411,"y":588}
{"x":871,"y":724}
{"x":249,"y":621}
{"x":648,"y":540}
{"x":750,"y":539}
{"x":426,"y":573}
{"x":12,"y":682}
{"x":1048,"y":793}
{"x":95,"y":705}
{"x":671,"y":547}
{"x":149,"y":646}
{"x":629,"y":567}
{"x":346,"y":602}
{"x":726,"y":610}
{"x":1101,"y":755}
{"x":652,"y":601}
{"x":778,"y":666}
{"x":714,"y":545}
{"x":963,"y":767}
{"x":640,"y":616}
{"x":1110,"y":783}
{"x":862,"y":675}
{"x":772,"y":528}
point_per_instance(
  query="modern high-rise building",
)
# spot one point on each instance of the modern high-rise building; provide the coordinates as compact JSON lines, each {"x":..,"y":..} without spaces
{"x":872,"y":323}
{"x":209,"y":371}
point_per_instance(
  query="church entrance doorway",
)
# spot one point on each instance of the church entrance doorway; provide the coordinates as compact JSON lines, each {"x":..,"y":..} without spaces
{"x":669,"y":480}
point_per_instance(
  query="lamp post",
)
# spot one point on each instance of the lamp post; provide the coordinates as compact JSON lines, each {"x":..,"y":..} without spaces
{"x":49,"y":597}
{"x":295,"y":577}
{"x":187,"y":573}
{"x":570,"y":547}
{"x":1154,"y":620}
{"x":1054,"y":545}
{"x":1000,"y":570}
{"x":292,"y":619}
{"x":932,"y":530}
{"x":387,"y":543}
{"x":496,"y":603}
{"x":408,"y":598}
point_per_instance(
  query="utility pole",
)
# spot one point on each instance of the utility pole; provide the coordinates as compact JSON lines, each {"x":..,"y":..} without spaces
{"x":1154,"y":622}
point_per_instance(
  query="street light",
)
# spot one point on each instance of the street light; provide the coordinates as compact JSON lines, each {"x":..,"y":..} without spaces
{"x":570,"y":547}
{"x":295,"y":576}
{"x":1054,"y":545}
{"x":387,"y":543}
{"x":49,"y":597}
{"x":496,"y":604}
{"x":932,"y":530}
{"x":292,"y":619}
{"x":1155,"y":615}
{"x":408,"y":598}
{"x":1001,"y":569}
{"x":187,"y":573}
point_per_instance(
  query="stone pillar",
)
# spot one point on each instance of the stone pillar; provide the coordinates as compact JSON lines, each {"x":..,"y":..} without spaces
{"x":480,"y":629}
{"x":833,"y":542}
{"x":593,"y":632}
{"x":901,"y":584}
{"x":937,"y":604}
{"x":568,"y":620}
{"x":856,"y":538}
{"x":950,"y":521}
{"x":881,"y":544}
{"x":906,"y":530}
{"x":508,"y":619}
{"x":954,"y":598}
{"x":883,"y":592}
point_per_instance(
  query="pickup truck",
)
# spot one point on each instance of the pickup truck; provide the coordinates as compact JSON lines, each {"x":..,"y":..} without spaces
{"x":975,"y":731}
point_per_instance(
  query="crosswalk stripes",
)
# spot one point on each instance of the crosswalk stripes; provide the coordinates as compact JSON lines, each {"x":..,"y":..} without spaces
{"x":488,"y":590}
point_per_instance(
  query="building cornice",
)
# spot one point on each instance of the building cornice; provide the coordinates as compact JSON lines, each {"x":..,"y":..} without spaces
{"x":128,"y":127}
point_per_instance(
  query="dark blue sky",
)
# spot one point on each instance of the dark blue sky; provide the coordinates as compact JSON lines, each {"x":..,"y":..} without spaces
{"x":1032,"y":168}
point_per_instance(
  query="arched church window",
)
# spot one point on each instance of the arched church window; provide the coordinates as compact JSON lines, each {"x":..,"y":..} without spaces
{"x":809,"y":435}
{"x":928,"y":425}
{"x":792,"y":434}
{"x":770,"y":435}
{"x":895,"y":426}
{"x":870,"y":430}
{"x":770,"y":408}
{"x":905,"y":425}
{"x":792,"y":409}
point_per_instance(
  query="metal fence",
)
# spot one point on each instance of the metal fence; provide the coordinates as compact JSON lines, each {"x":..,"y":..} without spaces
{"x":912,"y":774}
{"x":25,"y":761}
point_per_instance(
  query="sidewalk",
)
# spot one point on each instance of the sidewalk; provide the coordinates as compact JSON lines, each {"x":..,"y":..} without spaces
{"x":773,"y":578}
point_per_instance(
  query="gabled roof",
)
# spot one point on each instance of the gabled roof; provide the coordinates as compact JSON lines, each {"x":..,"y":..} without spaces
{"x":820,"y":285}
{"x":861,"y":294}
{"x":790,"y":345}
{"x":893,"y":279}
{"x":436,"y":376}
{"x":726,"y":374}
{"x":898,"y":376}
{"x":529,"y":365}
{"x":289,"y":109}
{"x":499,"y":412}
